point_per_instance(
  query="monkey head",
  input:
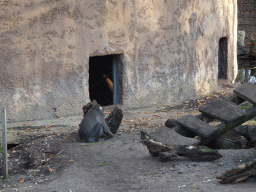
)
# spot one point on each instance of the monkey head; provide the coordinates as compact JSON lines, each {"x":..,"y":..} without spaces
{"x":89,"y":105}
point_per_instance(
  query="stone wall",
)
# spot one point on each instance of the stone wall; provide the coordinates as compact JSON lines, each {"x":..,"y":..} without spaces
{"x":247,"y":18}
{"x":169,"y":51}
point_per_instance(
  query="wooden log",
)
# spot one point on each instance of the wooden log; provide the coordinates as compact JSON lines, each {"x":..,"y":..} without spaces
{"x":223,"y":128}
{"x":238,"y":174}
{"x":114,"y":119}
{"x":223,"y":110}
{"x":204,"y":118}
{"x":224,"y":143}
{"x":185,"y":132}
{"x":198,"y":153}
{"x":164,"y":156}
{"x":170,"y":123}
{"x":197,"y":126}
{"x":247,"y":91}
{"x":248,"y":131}
{"x":235,"y":99}
{"x":250,"y":113}
{"x":166,"y":152}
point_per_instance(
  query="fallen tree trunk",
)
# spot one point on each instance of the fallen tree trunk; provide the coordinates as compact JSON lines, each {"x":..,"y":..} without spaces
{"x":166,"y":152}
{"x":240,"y":173}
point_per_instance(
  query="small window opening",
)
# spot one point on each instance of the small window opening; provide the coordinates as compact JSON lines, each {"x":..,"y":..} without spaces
{"x":223,"y":58}
{"x":105,"y":79}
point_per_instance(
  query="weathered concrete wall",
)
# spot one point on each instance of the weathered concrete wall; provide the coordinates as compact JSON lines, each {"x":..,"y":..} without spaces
{"x":169,"y":51}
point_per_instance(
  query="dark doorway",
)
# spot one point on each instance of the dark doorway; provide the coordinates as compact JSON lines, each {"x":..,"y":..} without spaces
{"x":223,"y":58}
{"x":105,"y":79}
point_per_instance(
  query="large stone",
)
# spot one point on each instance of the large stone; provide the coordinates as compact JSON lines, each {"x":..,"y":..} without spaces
{"x":241,"y":50}
{"x":253,"y":44}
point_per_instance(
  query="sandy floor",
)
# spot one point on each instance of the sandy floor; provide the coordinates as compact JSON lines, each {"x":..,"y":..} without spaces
{"x":58,"y":161}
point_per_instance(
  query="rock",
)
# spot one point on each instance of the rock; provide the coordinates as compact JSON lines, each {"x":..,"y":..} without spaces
{"x":253,"y":45}
{"x":240,"y":76}
{"x":240,"y":38}
{"x":241,"y":50}
{"x":252,"y":79}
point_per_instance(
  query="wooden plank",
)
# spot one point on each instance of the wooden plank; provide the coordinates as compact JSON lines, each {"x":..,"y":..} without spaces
{"x":222,"y":110}
{"x":223,"y":128}
{"x":247,"y":91}
{"x":4,"y":144}
{"x":197,"y":126}
{"x":170,"y":137}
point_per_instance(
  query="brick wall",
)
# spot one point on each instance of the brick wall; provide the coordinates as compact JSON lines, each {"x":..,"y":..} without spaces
{"x":247,"y":18}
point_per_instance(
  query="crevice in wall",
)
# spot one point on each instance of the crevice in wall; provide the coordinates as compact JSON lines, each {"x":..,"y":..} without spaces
{"x":223,"y":58}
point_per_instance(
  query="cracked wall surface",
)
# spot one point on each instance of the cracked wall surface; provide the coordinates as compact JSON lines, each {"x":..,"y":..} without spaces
{"x":169,"y":51}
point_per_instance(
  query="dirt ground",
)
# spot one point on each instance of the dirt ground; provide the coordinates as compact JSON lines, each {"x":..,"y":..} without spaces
{"x":49,"y":156}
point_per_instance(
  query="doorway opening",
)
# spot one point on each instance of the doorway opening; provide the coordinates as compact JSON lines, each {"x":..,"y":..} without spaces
{"x":223,"y":58}
{"x":105,"y":79}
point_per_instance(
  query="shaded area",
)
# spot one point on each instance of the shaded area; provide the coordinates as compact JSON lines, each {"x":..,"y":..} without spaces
{"x":40,"y":155}
{"x":98,"y":87}
{"x":246,"y":70}
{"x":223,"y":58}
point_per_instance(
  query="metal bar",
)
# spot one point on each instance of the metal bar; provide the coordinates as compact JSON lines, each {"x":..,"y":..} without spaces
{"x":116,"y":92}
{"x":4,"y":144}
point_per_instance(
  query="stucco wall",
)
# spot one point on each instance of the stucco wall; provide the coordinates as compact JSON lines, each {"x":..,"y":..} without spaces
{"x":169,"y":51}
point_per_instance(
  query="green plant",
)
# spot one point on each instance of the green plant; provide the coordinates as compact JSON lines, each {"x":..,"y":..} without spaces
{"x":103,"y":163}
{"x":246,"y":106}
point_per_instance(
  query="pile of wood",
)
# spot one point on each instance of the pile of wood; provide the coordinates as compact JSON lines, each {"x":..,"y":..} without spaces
{"x":173,"y":141}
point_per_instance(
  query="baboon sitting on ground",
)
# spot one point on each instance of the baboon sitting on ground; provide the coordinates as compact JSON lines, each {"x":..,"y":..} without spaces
{"x":94,"y":126}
